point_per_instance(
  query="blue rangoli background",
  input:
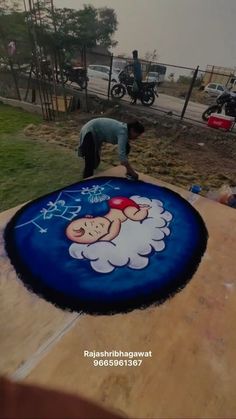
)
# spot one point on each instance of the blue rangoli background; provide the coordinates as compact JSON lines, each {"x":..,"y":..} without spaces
{"x":38,"y":250}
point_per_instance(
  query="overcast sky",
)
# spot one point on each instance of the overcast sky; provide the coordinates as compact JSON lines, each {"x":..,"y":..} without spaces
{"x":184,"y":32}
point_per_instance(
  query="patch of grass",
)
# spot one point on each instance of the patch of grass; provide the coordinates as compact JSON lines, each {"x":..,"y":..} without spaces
{"x":30,"y":169}
{"x":15,"y":119}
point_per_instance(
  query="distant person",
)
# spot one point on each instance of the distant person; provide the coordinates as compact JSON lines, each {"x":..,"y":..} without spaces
{"x":11,"y":48}
{"x":137,"y":76}
{"x":107,"y":130}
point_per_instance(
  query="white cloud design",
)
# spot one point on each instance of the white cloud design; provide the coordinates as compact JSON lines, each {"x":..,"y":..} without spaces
{"x":134,"y":243}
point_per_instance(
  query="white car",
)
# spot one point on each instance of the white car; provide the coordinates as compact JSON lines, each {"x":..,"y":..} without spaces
{"x":102,"y":72}
{"x":215,"y":89}
{"x":152,"y":77}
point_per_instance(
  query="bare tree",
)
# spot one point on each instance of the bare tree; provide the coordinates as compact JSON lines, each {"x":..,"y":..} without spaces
{"x":151,"y":55}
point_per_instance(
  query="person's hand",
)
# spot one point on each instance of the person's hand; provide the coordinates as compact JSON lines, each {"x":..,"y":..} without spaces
{"x":133,"y":175}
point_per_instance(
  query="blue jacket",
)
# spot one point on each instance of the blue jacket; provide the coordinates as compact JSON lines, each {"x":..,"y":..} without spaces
{"x":137,"y":70}
{"x":109,"y":131}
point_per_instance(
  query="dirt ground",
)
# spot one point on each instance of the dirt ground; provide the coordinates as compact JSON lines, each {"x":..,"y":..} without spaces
{"x":178,"y":153}
{"x":180,"y":90}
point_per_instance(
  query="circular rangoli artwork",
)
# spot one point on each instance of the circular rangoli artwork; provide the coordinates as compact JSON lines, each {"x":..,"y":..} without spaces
{"x":106,"y":245}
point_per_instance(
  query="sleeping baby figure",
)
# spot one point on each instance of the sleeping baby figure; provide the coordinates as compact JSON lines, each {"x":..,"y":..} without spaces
{"x":89,"y":229}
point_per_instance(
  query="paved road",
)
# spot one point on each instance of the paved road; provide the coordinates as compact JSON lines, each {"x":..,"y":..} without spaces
{"x":163,"y":103}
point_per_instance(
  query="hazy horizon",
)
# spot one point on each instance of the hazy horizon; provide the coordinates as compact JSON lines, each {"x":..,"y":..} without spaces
{"x":184,"y":32}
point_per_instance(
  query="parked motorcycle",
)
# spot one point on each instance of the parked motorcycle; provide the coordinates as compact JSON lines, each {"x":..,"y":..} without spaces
{"x":72,"y":74}
{"x":225,"y":102}
{"x":146,"y":94}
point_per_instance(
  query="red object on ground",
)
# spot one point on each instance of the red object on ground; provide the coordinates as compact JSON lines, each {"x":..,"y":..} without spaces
{"x":220,"y":121}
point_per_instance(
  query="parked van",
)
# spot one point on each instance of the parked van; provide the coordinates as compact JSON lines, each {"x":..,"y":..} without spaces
{"x":215,"y":89}
{"x":160,"y":70}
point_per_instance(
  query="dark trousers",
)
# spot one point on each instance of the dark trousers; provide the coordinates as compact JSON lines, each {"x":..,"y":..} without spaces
{"x":136,"y":94}
{"x":91,"y":158}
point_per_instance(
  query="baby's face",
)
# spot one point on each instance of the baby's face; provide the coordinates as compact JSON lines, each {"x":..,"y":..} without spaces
{"x":87,"y":230}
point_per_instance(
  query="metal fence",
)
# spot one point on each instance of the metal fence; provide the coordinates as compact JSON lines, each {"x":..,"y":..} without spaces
{"x":180,"y":89}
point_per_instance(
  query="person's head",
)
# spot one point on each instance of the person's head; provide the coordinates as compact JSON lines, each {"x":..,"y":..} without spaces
{"x":135,"y":129}
{"x":135,"y":54}
{"x":87,"y":230}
